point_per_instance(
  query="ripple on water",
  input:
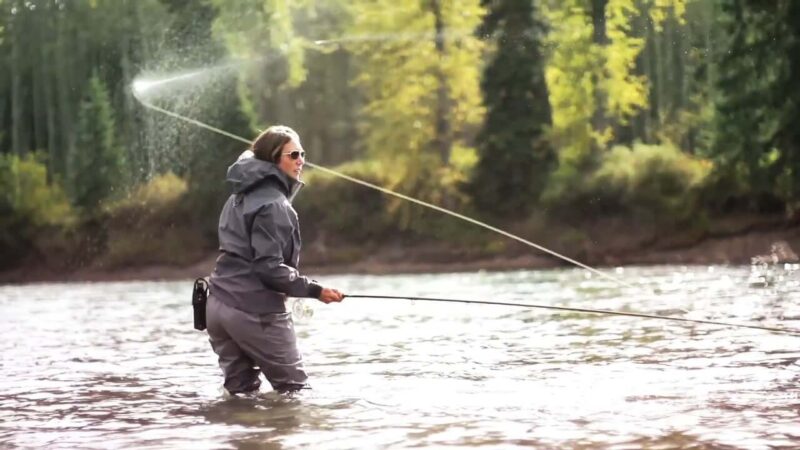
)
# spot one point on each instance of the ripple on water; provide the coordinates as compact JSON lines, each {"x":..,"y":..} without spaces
{"x":118,"y":365}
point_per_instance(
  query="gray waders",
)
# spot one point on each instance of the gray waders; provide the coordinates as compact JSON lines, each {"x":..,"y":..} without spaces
{"x":246,"y":342}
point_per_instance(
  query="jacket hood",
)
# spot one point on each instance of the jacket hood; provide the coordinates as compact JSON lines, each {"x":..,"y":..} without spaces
{"x":248,"y":171}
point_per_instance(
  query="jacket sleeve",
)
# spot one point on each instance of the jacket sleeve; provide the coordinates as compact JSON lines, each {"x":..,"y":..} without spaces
{"x":271,"y":228}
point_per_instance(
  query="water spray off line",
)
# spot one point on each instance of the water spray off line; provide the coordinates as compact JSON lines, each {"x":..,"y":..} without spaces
{"x":194,"y":122}
{"x":397,"y":194}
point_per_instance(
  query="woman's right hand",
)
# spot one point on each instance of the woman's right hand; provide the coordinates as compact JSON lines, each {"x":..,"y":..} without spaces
{"x":329,"y":295}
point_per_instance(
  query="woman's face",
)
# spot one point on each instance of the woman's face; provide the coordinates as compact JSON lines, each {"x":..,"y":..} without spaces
{"x":292,"y":167}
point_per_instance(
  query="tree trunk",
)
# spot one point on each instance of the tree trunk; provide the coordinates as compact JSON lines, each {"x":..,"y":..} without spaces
{"x":710,"y":55}
{"x":128,"y":125}
{"x":37,"y":81}
{"x":640,"y":121}
{"x":443,"y":139}
{"x":63,"y":100}
{"x":658,"y":64}
{"x":45,"y":50}
{"x":600,"y":38}
{"x":19,"y":142}
{"x":599,"y":35}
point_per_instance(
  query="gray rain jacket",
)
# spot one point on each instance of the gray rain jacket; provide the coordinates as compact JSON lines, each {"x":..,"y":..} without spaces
{"x":259,"y":241}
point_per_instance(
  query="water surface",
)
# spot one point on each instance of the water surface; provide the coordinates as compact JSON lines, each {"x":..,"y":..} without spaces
{"x":112,"y":365}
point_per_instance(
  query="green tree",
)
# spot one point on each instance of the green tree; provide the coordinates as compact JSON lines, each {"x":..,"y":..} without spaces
{"x":50,"y":48}
{"x":758,"y":100}
{"x":292,"y":71}
{"x":95,"y":164}
{"x":261,"y":34}
{"x":514,"y":157}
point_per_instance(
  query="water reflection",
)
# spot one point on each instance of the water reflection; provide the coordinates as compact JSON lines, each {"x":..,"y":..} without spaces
{"x":266,"y":419}
{"x":118,"y":365}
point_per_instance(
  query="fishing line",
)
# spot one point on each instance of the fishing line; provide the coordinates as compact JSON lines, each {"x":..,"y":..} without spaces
{"x":582,"y":310}
{"x":138,"y":90}
{"x":398,"y":195}
{"x":193,"y":121}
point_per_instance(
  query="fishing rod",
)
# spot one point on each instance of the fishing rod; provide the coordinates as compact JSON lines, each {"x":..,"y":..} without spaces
{"x":582,"y":310}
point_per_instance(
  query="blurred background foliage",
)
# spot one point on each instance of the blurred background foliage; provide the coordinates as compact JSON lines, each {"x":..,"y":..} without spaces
{"x":526,"y":113}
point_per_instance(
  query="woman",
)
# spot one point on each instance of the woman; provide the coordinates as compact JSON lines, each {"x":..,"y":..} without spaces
{"x":259,"y":240}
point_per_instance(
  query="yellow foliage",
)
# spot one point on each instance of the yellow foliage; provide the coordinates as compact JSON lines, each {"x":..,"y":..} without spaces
{"x":626,"y":92}
{"x":656,"y":176}
{"x":572,"y":66}
{"x":660,"y":10}
{"x":160,"y":191}
{"x":283,"y":37}
{"x":148,"y":226}
{"x":400,"y":72}
{"x":28,"y":194}
{"x":581,"y":72}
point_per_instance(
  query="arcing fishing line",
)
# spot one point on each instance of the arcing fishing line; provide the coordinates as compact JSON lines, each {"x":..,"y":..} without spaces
{"x":137,"y":94}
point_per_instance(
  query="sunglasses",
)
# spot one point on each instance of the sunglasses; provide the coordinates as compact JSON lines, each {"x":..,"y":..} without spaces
{"x":296,"y":154}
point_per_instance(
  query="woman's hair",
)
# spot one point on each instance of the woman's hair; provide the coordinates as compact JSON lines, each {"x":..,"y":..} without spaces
{"x":267,"y":146}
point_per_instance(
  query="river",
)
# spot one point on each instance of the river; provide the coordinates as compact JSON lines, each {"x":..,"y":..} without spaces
{"x":118,"y":365}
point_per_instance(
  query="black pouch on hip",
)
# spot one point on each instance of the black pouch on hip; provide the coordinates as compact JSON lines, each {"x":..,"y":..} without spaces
{"x":199,"y":299}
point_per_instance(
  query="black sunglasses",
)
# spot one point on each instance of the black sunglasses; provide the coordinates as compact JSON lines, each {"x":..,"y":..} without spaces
{"x":296,"y":154}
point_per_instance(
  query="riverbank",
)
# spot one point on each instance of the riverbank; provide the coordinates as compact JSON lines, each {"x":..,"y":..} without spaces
{"x":605,"y":245}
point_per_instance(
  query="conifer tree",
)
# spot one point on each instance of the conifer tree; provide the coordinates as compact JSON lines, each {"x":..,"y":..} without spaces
{"x":95,"y":163}
{"x":758,"y":98}
{"x":514,"y":157}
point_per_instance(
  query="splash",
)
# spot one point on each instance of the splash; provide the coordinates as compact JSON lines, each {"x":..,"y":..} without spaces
{"x":150,"y":86}
{"x":775,"y":267}
{"x":196,"y":92}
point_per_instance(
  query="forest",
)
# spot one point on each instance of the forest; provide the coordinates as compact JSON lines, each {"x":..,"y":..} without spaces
{"x":560,"y":120}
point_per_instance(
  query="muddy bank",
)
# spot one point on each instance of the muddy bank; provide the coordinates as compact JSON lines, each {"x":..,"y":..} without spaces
{"x":731,"y":243}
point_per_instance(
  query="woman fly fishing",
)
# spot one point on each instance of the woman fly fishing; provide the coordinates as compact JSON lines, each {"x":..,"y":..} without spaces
{"x":259,"y":238}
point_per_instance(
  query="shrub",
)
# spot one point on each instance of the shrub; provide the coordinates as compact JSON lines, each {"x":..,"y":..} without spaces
{"x":150,"y":226}
{"x":344,"y":208}
{"x":29,"y":206}
{"x":357,"y":213}
{"x":654,"y":181}
{"x":161,"y":191}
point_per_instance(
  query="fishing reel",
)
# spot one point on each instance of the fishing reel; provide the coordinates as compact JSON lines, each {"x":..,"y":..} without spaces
{"x":301,"y":310}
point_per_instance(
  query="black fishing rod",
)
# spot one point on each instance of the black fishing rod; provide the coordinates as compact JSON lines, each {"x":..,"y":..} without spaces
{"x":582,"y":310}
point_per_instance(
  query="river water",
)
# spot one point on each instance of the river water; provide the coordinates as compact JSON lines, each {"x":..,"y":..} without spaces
{"x":118,"y":365}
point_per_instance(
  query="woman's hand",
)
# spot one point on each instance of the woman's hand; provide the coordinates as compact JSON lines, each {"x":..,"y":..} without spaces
{"x":330,"y":296}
